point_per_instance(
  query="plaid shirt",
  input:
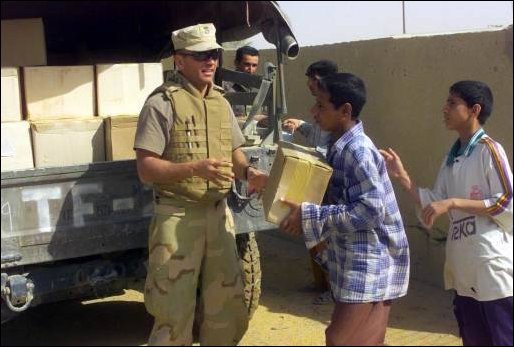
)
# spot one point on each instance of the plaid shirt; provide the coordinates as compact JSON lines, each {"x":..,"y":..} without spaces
{"x":368,"y":252}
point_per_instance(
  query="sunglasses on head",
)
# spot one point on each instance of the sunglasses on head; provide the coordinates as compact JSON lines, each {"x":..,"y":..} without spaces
{"x":204,"y":56}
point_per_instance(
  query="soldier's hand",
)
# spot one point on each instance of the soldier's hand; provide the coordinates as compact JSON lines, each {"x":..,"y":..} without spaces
{"x":216,"y":171}
{"x":256,"y":180}
{"x":292,"y":224}
{"x":290,"y":124}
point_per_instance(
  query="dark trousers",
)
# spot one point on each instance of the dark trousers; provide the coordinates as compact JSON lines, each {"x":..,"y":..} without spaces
{"x":484,"y":323}
{"x":321,"y":281}
{"x":358,"y":324}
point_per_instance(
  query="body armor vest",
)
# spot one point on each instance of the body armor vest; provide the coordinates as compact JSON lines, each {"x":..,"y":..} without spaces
{"x":202,"y":128}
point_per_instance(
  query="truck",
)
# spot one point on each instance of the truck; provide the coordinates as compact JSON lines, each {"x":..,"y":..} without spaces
{"x":80,"y":231}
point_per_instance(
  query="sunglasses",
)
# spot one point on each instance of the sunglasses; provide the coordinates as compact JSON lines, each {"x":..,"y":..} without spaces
{"x":203,"y":56}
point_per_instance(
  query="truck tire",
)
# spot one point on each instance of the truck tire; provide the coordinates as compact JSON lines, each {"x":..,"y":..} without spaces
{"x":250,"y":261}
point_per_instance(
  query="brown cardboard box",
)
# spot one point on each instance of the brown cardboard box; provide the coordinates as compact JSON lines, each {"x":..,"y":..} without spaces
{"x":122,"y":89}
{"x":68,"y":142}
{"x":299,"y":174}
{"x":120,"y":132}
{"x":16,"y":146}
{"x":59,"y":92}
{"x":11,"y":106}
{"x":23,"y":42}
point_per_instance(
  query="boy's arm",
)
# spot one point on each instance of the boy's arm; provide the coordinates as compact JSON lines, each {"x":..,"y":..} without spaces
{"x":499,"y":180}
{"x":437,"y":208}
{"x":364,"y":208}
{"x":499,"y":175}
{"x":397,"y":171}
{"x":420,"y":196}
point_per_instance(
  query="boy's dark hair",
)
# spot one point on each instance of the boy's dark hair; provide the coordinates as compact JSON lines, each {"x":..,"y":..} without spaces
{"x":246,"y":50}
{"x":475,"y":92}
{"x":321,"y":68}
{"x":345,"y":88}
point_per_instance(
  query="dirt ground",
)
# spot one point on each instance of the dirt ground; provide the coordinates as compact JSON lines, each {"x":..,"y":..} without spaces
{"x":285,"y":315}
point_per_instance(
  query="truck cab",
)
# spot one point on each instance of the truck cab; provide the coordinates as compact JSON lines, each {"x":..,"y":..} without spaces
{"x":81,"y":231}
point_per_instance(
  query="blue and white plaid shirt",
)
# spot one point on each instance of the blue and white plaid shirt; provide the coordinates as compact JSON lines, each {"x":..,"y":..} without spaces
{"x":368,"y":251}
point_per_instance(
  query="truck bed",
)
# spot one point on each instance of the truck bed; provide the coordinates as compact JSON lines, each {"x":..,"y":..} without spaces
{"x":69,"y":212}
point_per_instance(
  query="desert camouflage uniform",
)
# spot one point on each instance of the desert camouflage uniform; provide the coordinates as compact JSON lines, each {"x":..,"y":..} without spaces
{"x":194,"y":278}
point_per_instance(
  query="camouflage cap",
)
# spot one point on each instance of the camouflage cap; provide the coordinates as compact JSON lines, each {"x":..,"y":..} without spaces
{"x":196,"y":38}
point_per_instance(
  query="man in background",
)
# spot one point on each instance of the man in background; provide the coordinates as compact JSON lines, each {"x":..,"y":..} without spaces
{"x":247,"y":61}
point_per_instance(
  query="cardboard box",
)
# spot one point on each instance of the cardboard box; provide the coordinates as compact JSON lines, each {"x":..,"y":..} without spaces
{"x":58,"y":92}
{"x":120,"y":133}
{"x":16,"y":146}
{"x":23,"y":42}
{"x":299,"y":174}
{"x":68,"y":142}
{"x":11,"y":105}
{"x":122,"y":89}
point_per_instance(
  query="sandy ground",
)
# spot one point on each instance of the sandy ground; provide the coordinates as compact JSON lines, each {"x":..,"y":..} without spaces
{"x":285,"y":315}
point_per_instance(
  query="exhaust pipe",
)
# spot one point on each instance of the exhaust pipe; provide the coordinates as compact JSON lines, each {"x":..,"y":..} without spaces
{"x":288,"y":45}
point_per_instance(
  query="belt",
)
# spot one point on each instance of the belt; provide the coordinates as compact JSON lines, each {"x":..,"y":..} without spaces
{"x":163,"y":201}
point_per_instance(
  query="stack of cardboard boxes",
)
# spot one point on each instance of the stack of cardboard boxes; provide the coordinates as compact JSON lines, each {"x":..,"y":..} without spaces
{"x":23,"y":43}
{"x":65,"y":106}
{"x":122,"y":90}
{"x":16,"y":145}
{"x":60,"y":107}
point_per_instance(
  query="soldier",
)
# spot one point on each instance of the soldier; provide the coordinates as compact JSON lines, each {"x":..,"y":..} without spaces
{"x":187,"y":145}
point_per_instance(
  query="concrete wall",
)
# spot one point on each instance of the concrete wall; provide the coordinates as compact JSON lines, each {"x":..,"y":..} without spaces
{"x":407,"y":81}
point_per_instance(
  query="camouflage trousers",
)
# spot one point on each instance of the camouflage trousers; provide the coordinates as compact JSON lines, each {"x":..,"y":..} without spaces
{"x":194,"y":271}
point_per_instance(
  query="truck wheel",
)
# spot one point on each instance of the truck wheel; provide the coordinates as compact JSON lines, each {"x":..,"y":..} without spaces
{"x":250,"y":261}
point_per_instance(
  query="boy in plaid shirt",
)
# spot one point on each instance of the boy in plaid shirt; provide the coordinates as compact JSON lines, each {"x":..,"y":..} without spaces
{"x":368,"y":252}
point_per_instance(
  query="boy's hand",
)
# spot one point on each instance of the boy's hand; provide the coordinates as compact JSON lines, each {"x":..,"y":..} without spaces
{"x":434,"y":210}
{"x":395,"y":168}
{"x":393,"y":163}
{"x":290,"y":124}
{"x":292,"y":224}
